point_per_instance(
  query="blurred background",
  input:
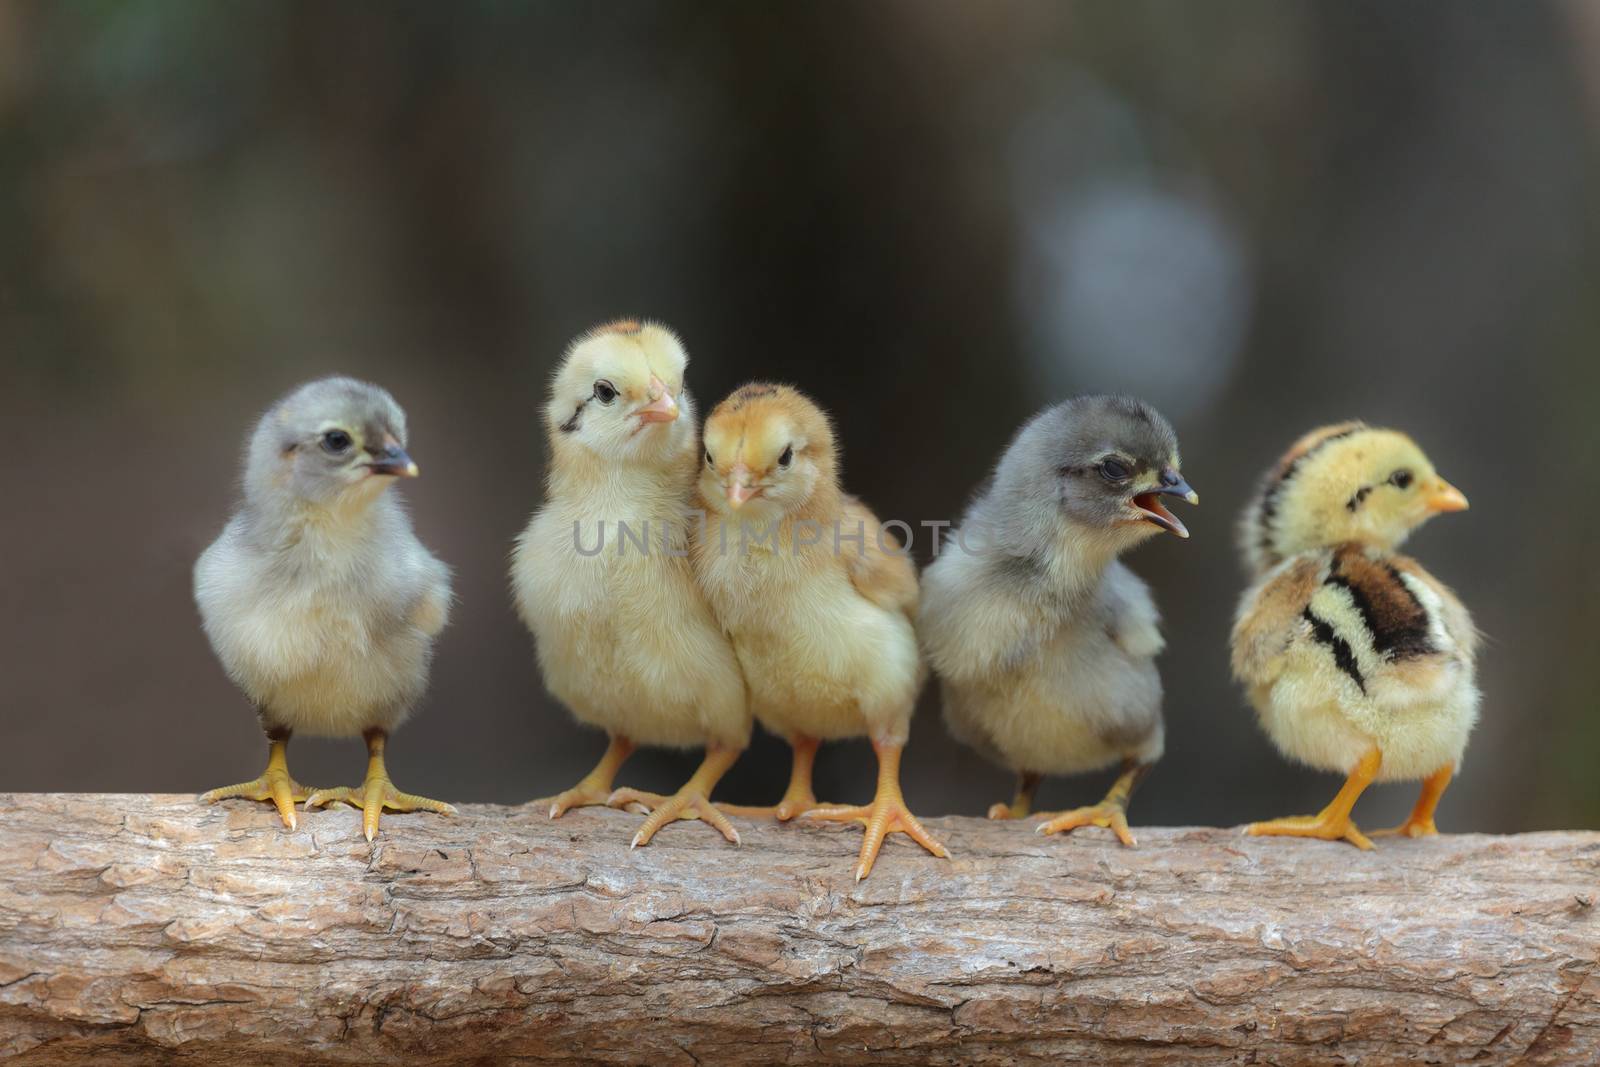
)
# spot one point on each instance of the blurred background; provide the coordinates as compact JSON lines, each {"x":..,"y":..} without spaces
{"x":935,"y":217}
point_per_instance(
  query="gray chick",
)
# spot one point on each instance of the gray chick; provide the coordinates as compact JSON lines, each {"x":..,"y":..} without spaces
{"x":318,"y":598}
{"x":1043,"y":642}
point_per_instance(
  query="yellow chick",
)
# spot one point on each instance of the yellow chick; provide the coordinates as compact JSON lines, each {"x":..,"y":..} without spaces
{"x":1357,"y":660}
{"x":817,"y":597}
{"x":602,"y":576}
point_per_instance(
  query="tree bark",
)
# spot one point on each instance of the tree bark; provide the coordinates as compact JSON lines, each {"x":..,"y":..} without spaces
{"x":149,"y":929}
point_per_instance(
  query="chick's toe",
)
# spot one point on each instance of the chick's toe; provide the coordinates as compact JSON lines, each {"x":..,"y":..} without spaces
{"x":274,"y":785}
{"x":691,"y":802}
{"x":376,"y":793}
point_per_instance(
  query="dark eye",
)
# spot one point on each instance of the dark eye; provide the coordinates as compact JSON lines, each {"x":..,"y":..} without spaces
{"x":336,"y":441}
{"x":787,"y":457}
{"x":1113,"y":469}
{"x":709,"y":462}
{"x":1401,"y":479}
{"x":604,"y":391}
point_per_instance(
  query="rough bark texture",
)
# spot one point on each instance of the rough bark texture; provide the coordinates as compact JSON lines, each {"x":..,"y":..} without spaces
{"x":140,"y":929}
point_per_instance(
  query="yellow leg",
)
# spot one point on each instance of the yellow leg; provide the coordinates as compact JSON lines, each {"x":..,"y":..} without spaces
{"x":1333,"y":823}
{"x":1420,"y":822}
{"x":595,"y":787}
{"x":1027,"y":785}
{"x":886,"y":814}
{"x":693,"y":801}
{"x":377,"y":792}
{"x":1111,"y":813}
{"x":798,"y":798}
{"x":274,"y":784}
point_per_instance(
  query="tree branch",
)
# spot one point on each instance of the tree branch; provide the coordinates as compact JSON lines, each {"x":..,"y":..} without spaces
{"x":148,"y":929}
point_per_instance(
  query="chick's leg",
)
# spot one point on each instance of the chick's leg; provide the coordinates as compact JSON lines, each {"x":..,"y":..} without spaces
{"x":377,"y":792}
{"x":1332,"y":823}
{"x":1111,"y":813}
{"x":886,"y":814}
{"x":274,"y":784}
{"x":1027,"y":785}
{"x":1420,"y":822}
{"x":798,"y":798}
{"x":693,"y":801}
{"x":595,"y":787}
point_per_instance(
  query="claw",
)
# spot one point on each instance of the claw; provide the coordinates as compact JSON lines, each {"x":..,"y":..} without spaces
{"x":372,"y":797}
{"x":693,"y":801}
{"x":274,"y":785}
{"x":685,"y":805}
{"x":1323,"y":827}
{"x":595,"y":788}
{"x":1108,"y":815}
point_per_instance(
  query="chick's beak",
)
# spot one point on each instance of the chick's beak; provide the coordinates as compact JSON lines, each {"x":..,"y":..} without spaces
{"x":663,"y":408}
{"x":1446,"y":497}
{"x":1149,"y":502}
{"x":738,"y":487}
{"x":393,"y":461}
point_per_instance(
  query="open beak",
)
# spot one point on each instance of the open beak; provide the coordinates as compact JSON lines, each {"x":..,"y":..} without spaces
{"x":663,"y":408}
{"x":1151,"y":509}
{"x":393,"y":461}
{"x":738,"y":486}
{"x":1446,"y":497}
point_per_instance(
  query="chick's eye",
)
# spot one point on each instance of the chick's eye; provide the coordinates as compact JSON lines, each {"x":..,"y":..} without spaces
{"x":336,"y":441}
{"x":787,"y":457}
{"x":604,"y":391}
{"x":709,"y":461}
{"x":1114,"y":470}
{"x":1401,"y":479}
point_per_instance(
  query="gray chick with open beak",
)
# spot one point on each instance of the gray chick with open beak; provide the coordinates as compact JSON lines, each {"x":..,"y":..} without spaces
{"x":318,"y":598}
{"x":1043,"y":641}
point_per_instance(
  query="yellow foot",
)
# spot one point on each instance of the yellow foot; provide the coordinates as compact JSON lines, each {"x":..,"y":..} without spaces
{"x":372,"y":797}
{"x":1410,"y":828}
{"x":794,"y":802}
{"x":884,"y":816}
{"x":1110,"y":816}
{"x":1324,"y":827}
{"x":686,"y":803}
{"x":274,"y":785}
{"x":585,"y":794}
{"x":1007,"y":811}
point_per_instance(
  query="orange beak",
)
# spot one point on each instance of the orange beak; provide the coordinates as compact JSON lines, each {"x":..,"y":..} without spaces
{"x":738,"y":486}
{"x":662,"y":407}
{"x":1446,"y":497}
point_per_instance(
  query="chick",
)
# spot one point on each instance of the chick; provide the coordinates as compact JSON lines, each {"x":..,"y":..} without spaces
{"x":318,"y":598}
{"x":602,"y":578}
{"x":817,"y":598}
{"x":1043,"y":642}
{"x":1356,"y":659}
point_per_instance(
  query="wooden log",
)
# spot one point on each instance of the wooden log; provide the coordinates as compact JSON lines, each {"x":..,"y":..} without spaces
{"x":149,"y":929}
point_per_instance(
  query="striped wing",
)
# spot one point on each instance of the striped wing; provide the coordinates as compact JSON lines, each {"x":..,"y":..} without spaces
{"x":1384,"y":626}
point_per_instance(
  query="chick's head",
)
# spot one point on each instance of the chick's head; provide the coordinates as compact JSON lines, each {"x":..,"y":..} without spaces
{"x":1101,"y":464}
{"x":1344,"y":483}
{"x":768,"y":451}
{"x":618,"y":395}
{"x":330,"y":441}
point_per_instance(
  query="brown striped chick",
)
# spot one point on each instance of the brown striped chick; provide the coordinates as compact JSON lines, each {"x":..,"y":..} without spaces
{"x":602,"y":576}
{"x":817,"y":597}
{"x":1357,"y":660}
